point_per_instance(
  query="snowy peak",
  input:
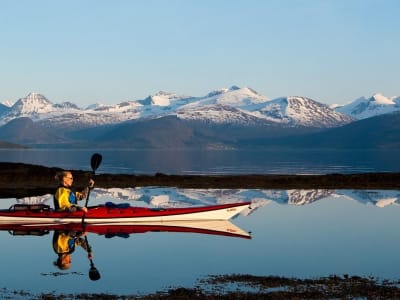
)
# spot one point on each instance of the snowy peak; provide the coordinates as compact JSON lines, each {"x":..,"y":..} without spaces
{"x":37,"y":107}
{"x":301,"y":111}
{"x":234,"y":96}
{"x":379,"y":99}
{"x":363,"y":108}
{"x":162,"y":99}
{"x":238,"y":97}
{"x":224,"y":106}
{"x":34,"y":103}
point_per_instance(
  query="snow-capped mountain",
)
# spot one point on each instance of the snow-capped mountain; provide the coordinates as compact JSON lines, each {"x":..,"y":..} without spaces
{"x":165,"y":99}
{"x":299,"y":111}
{"x":244,"y":105}
{"x":363,"y":108}
{"x":226,"y":118}
{"x":31,"y":105}
{"x":37,"y":107}
{"x":234,"y":97}
{"x":226,"y":106}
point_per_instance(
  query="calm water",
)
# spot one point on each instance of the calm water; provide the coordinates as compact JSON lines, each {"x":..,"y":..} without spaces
{"x":302,"y":233}
{"x":215,"y":162}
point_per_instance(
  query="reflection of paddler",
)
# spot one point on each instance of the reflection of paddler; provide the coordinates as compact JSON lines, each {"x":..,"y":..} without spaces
{"x":64,"y":244}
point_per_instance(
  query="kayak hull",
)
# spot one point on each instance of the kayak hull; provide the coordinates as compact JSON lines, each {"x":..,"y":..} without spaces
{"x":105,"y":214}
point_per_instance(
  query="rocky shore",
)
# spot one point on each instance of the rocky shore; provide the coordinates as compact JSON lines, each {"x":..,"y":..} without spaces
{"x":253,"y":287}
{"x":19,"y":180}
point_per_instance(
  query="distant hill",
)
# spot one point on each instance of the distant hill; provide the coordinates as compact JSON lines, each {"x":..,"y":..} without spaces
{"x":378,"y":132}
{"x":6,"y":145}
{"x":173,"y":132}
{"x":25,"y":131}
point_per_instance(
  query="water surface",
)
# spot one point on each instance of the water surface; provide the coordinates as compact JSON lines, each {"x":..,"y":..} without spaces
{"x":214,"y":162}
{"x":300,"y":233}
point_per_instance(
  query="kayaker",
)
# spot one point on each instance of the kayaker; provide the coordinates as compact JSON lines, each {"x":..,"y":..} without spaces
{"x":64,"y":244}
{"x":65,"y":198}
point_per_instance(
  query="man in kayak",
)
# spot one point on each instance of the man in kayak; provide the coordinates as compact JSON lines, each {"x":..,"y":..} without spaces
{"x":64,"y":244}
{"x":65,"y":198}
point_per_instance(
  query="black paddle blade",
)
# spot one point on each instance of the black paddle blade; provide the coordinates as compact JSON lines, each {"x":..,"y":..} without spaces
{"x":94,"y":274}
{"x":95,"y":161}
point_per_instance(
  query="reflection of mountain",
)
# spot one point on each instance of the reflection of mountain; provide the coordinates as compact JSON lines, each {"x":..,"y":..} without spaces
{"x":380,"y":198}
{"x":301,"y":197}
{"x":182,"y":197}
{"x":172,"y":197}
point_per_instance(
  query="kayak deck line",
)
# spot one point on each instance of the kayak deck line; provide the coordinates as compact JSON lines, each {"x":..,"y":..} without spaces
{"x":104,"y":214}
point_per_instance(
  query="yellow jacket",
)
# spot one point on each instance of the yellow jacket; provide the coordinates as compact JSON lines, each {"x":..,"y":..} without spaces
{"x":65,"y":198}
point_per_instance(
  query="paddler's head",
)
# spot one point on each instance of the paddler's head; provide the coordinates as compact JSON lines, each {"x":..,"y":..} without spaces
{"x":63,"y":261}
{"x":65,"y":178}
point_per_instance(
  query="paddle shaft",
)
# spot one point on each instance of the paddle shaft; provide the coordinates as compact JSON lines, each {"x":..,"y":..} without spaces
{"x":95,"y":162}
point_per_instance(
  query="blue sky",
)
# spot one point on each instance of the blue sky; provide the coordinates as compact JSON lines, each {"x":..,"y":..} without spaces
{"x":332,"y":51}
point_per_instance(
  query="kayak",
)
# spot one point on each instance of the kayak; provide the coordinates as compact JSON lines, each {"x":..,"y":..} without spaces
{"x":109,"y":230}
{"x":118,"y":213}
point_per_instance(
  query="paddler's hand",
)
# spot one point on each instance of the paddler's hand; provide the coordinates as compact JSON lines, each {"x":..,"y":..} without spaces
{"x":84,"y":209}
{"x":90,"y":255}
{"x":91,"y":183}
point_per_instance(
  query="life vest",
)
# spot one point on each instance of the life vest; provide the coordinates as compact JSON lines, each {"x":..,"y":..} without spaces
{"x":66,"y":193}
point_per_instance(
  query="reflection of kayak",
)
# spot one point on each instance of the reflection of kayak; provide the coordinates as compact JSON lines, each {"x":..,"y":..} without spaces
{"x":214,"y":227}
{"x":112,"y":213}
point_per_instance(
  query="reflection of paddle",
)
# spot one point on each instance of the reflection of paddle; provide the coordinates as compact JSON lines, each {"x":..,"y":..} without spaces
{"x":94,"y":274}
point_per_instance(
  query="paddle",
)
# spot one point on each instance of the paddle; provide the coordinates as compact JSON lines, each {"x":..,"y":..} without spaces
{"x":95,"y":162}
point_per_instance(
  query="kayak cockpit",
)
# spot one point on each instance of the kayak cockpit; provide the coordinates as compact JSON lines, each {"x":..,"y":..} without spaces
{"x":30,"y":207}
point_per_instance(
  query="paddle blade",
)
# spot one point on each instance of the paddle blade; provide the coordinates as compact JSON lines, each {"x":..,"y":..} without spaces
{"x":95,"y":161}
{"x":94,"y":274}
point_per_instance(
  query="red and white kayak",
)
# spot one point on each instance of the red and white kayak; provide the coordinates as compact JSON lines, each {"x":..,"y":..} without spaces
{"x":42,"y":214}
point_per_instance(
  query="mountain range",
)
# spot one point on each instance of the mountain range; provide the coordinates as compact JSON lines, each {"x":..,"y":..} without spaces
{"x":226,"y":118}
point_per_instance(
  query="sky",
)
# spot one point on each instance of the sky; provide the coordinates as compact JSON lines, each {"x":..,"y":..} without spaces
{"x":97,"y":51}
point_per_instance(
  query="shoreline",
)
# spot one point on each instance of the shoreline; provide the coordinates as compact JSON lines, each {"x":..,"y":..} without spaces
{"x":19,"y":180}
{"x":253,"y":287}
